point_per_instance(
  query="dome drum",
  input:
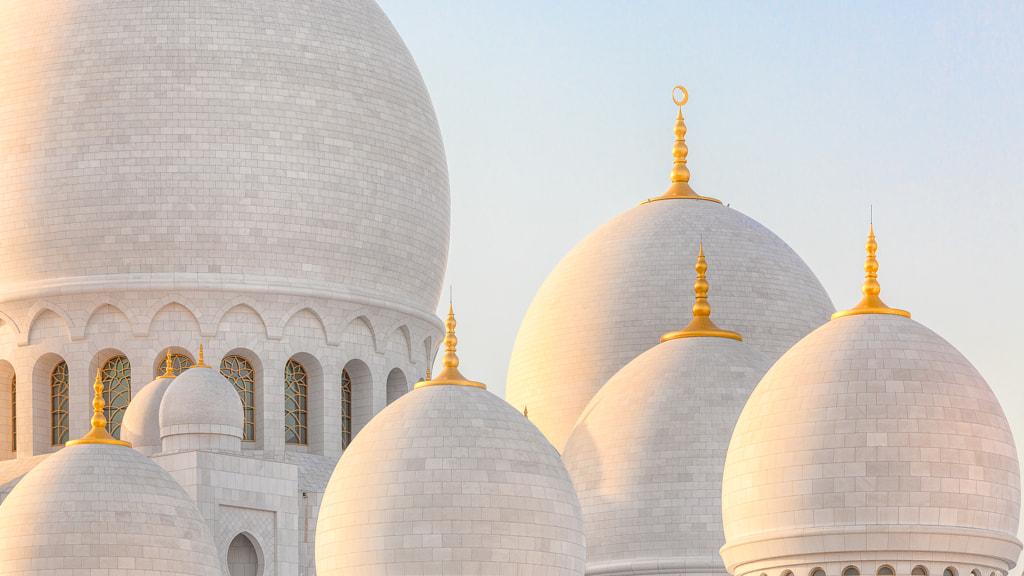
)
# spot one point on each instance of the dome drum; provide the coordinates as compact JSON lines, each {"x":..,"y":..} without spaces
{"x":867,"y":548}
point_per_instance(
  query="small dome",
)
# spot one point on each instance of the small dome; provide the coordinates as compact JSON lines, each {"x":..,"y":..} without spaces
{"x":449,"y":479}
{"x":91,"y":508}
{"x":646,"y":456}
{"x":873,"y":438}
{"x":201,"y":410}
{"x":584,"y":324}
{"x":140,"y":425}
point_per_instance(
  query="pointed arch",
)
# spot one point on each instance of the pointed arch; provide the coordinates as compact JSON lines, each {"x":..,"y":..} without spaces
{"x":39,"y":309}
{"x":402,"y":330}
{"x":147,"y":318}
{"x":103,"y":308}
{"x":250,"y":304}
{"x":125,"y":310}
{"x":359,"y":322}
{"x":168,"y":307}
{"x":6,"y":320}
{"x":297,"y":310}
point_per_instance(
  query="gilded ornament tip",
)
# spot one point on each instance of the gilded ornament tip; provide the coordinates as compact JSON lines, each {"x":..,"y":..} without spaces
{"x":98,"y":434}
{"x":870,"y":303}
{"x":449,"y":374}
{"x":201,"y":363}
{"x":169,"y":368}
{"x":701,"y":325}
{"x":680,"y":174}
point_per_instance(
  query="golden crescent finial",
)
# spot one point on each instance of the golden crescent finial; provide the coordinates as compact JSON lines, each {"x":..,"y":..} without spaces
{"x":680,"y":174}
{"x":449,"y":374}
{"x":686,"y":96}
{"x":701,"y":325}
{"x":98,"y":434}
{"x":870,"y":303}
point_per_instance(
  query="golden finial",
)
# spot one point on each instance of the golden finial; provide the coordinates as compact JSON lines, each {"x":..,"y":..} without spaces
{"x":201,"y":363}
{"x":701,"y":325}
{"x":870,"y":303}
{"x":450,"y":361}
{"x":169,"y":371}
{"x":428,"y":373}
{"x":98,"y":434}
{"x":526,"y":412}
{"x":680,"y":187}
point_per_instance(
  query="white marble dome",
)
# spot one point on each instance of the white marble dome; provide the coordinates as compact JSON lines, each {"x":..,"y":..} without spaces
{"x":263,"y":142}
{"x":450,"y":480}
{"x":100,"y":509}
{"x":140,"y":425}
{"x":585,"y":323}
{"x":646,"y":457}
{"x":872,"y":441}
{"x":201,"y":410}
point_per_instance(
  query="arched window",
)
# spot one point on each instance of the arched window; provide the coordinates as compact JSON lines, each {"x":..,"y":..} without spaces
{"x":179,"y":363}
{"x":295,"y":394}
{"x":14,"y":413}
{"x":239,"y":372}
{"x":949,"y":571}
{"x":817,"y":572}
{"x":886,"y":571}
{"x":117,"y":392}
{"x":59,"y":404}
{"x":851,"y":571}
{"x":242,"y":557}
{"x":919,"y":571}
{"x":346,"y":409}
{"x":787,"y":573}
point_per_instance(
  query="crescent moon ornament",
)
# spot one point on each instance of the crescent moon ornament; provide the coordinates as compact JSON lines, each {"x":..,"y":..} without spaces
{"x":680,"y":102}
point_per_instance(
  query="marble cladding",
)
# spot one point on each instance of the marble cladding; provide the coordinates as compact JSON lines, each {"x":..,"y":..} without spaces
{"x":646,"y":457}
{"x":872,"y":439}
{"x":627,"y":283}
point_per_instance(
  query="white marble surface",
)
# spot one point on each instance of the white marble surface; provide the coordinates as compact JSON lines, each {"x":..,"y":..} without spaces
{"x":450,"y":480}
{"x":627,"y":283}
{"x":646,"y":457}
{"x":72,"y":514}
{"x":872,"y":440}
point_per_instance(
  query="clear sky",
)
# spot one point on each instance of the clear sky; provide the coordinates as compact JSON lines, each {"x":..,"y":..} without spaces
{"x":557,"y":116}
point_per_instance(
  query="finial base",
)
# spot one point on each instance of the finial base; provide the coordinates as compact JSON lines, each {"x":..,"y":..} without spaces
{"x":681,"y":190}
{"x":870,"y":305}
{"x":98,"y":436}
{"x":701,"y":326}
{"x":449,"y":376}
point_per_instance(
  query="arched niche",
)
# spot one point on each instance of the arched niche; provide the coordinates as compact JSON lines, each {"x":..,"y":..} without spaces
{"x":245,"y":557}
{"x":362,"y":394}
{"x":397,"y":385}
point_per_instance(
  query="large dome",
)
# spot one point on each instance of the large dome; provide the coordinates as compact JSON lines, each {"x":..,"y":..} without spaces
{"x":450,"y":480}
{"x":614,"y":295}
{"x":872,"y":440}
{"x":97,"y":509}
{"x":646,"y":456}
{"x":265,"y":142}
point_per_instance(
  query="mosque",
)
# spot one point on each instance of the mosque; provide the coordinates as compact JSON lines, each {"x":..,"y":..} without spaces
{"x":223,"y":233}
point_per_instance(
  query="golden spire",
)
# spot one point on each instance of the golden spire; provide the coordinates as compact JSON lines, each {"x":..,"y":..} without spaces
{"x":870,"y":303}
{"x":98,"y":434}
{"x":450,"y":361}
{"x":169,"y":371}
{"x":200,"y":363}
{"x":701,"y":325}
{"x":680,"y":187}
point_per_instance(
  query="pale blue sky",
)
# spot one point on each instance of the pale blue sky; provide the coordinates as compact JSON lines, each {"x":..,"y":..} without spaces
{"x":557,"y":117}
